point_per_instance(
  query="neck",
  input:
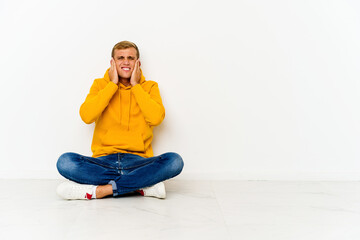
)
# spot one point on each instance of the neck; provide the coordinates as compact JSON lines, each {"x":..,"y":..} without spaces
{"x":125,"y":81}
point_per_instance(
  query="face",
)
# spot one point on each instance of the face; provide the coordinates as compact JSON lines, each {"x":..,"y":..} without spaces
{"x":125,"y":61}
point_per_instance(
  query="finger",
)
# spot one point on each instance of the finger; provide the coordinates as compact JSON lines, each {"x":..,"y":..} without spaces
{"x":114,"y":65}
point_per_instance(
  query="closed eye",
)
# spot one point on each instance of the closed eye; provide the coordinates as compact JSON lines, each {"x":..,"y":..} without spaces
{"x":130,"y":58}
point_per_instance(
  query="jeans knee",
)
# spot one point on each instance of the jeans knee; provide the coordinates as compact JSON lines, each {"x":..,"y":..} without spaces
{"x":177,"y":163}
{"x":65,"y":163}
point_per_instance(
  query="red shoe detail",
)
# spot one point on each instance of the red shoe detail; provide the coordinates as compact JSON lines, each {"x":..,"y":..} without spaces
{"x":140,"y":191}
{"x":88,"y":196}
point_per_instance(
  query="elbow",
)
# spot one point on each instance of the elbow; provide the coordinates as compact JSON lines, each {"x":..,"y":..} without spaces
{"x":157,"y":122}
{"x":86,"y":119}
{"x":160,"y":117}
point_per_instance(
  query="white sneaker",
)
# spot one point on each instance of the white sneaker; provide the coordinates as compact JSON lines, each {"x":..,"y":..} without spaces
{"x":157,"y":190}
{"x":72,"y":190}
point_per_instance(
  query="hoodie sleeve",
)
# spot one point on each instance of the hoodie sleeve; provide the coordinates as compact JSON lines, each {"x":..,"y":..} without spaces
{"x":150,"y":104}
{"x":96,"y":101}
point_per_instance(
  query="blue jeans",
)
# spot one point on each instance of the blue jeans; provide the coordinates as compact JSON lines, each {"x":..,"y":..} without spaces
{"x":124,"y":171}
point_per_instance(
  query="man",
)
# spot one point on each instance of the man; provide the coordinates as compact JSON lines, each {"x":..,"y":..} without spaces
{"x":125,"y":108}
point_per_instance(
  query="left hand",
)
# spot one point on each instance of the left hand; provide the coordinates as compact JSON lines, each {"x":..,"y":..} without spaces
{"x":136,"y":74}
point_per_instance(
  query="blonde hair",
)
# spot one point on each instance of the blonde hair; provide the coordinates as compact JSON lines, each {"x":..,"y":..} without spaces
{"x":125,"y":45}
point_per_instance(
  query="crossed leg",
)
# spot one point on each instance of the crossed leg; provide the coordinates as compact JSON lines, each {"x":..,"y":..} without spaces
{"x":110,"y":179}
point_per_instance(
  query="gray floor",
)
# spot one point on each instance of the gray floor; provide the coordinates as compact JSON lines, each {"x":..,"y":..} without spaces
{"x":30,"y":209}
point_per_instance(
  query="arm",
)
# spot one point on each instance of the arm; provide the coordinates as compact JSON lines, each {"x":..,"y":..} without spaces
{"x":150,"y":104}
{"x":96,"y":101}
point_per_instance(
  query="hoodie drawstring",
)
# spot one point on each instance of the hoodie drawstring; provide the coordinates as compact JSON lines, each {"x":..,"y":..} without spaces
{"x":119,"y":106}
{"x":120,"y":117}
{"x":129,"y":111}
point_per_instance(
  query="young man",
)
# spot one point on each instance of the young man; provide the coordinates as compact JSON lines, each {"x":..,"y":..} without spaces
{"x":125,"y":108}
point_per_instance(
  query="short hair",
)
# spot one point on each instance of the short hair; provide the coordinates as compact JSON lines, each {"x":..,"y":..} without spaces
{"x":125,"y":45}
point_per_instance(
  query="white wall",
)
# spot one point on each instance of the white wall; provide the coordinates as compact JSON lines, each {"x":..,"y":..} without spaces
{"x":252,"y":89}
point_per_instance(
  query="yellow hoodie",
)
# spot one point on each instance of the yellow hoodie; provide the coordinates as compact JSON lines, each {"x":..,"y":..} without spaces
{"x":124,"y":116}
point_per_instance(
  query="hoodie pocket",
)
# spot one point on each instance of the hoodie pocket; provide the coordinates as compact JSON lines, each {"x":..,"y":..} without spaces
{"x":127,"y":140}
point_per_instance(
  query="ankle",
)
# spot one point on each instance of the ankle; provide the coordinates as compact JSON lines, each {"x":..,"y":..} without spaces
{"x":103,"y":191}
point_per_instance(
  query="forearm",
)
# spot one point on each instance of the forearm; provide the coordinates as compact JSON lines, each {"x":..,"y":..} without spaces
{"x":151,"y":106}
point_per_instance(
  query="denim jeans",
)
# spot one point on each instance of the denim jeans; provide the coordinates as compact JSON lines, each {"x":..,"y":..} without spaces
{"x":124,"y":171}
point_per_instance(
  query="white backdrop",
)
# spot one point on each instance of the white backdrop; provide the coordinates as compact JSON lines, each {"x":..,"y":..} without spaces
{"x":258,"y":90}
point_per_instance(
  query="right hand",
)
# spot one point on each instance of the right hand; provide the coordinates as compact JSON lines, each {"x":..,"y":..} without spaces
{"x":114,"y":77}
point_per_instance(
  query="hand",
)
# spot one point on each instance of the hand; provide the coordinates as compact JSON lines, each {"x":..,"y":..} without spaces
{"x":136,"y":74}
{"x":113,"y":74}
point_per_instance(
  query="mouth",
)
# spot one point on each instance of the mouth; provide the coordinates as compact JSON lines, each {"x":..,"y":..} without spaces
{"x":126,"y":69}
